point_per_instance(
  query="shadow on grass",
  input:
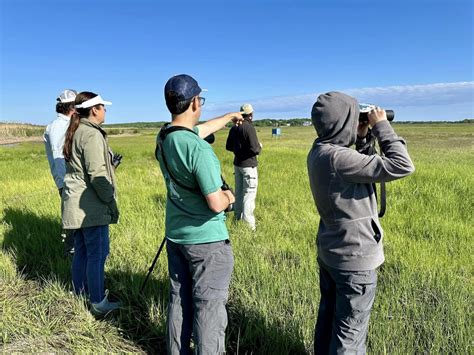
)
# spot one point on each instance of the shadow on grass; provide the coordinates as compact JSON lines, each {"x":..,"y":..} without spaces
{"x":36,"y":243}
{"x":142,"y":319}
{"x":250,"y":333}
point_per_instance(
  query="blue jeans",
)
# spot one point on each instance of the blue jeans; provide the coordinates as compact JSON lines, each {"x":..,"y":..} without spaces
{"x":344,"y":310}
{"x":199,"y":279}
{"x":91,"y":245}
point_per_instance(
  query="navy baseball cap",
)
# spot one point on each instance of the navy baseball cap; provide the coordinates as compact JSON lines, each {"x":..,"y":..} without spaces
{"x":183,"y":86}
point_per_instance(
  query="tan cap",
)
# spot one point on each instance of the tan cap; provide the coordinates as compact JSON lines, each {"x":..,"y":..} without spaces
{"x":246,"y":109}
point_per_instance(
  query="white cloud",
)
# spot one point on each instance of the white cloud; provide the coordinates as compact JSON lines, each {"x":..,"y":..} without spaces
{"x":395,"y":97}
{"x":417,"y":95}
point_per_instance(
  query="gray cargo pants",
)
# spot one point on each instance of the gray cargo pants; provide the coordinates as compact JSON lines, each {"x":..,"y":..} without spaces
{"x":344,"y":310}
{"x":199,"y":278}
{"x":246,"y":183}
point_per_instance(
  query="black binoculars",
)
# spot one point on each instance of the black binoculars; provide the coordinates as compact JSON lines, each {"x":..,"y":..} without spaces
{"x":364,"y":110}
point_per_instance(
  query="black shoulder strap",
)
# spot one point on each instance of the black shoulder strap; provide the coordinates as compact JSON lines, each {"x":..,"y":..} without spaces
{"x":383,"y":190}
{"x":371,"y":149}
{"x":168,"y":129}
{"x":164,"y":132}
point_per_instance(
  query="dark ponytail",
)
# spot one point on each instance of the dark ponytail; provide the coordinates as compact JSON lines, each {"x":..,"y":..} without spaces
{"x":75,"y":121}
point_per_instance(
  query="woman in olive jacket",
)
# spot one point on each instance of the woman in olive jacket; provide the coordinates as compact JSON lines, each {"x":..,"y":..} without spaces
{"x":89,"y":198}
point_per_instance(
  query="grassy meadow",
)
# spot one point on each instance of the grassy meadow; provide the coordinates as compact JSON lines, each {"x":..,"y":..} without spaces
{"x":424,"y":298}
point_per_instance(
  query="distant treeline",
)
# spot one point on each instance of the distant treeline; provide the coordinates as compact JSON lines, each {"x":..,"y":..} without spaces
{"x":139,"y":125}
{"x":25,"y":129}
{"x":467,"y":120}
{"x":267,"y":122}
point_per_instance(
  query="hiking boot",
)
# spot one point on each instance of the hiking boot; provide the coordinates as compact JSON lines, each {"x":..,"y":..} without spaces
{"x":104,"y":307}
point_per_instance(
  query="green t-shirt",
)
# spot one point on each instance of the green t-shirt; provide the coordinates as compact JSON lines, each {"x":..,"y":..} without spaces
{"x":189,"y":220}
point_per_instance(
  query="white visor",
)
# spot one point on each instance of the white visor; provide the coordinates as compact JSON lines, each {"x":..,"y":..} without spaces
{"x":92,"y":102}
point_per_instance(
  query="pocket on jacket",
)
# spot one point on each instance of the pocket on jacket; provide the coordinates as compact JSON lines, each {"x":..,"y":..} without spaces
{"x":346,"y":239}
{"x":370,"y":232}
{"x":377,"y":230}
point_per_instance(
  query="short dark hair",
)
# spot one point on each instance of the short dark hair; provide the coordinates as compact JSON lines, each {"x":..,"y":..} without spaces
{"x":175,"y":103}
{"x":64,"y":107}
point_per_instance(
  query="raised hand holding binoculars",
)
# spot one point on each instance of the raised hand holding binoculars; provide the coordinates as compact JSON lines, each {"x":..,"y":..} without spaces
{"x":365,"y":109}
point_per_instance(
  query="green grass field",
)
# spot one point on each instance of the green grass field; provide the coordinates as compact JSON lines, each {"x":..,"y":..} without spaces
{"x":424,"y":299}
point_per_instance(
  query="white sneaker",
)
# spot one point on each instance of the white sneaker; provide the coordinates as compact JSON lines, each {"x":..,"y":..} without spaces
{"x":104,"y":307}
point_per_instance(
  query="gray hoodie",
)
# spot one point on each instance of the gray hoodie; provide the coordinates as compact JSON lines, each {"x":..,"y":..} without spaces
{"x":350,"y":236}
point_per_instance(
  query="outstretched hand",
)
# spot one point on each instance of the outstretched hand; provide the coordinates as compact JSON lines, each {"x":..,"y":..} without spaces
{"x":236,"y":118}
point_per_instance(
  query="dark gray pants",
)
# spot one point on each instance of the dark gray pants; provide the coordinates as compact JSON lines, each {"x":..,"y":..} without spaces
{"x":199,"y":277}
{"x":344,"y":310}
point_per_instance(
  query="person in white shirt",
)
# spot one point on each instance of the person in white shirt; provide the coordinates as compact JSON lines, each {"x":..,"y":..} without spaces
{"x":54,"y":142}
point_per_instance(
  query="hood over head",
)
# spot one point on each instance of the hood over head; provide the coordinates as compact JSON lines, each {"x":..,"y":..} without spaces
{"x":335,"y":117}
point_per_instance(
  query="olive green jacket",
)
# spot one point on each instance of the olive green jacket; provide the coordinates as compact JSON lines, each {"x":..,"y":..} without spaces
{"x":89,"y":197}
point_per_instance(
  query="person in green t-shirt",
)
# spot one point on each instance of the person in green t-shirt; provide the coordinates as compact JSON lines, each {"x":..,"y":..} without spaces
{"x":200,"y":258}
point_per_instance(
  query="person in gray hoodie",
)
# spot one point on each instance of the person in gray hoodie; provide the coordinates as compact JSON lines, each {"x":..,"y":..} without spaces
{"x":349,"y":239}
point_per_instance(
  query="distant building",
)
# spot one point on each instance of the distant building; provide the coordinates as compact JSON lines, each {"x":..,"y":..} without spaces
{"x":307,"y":123}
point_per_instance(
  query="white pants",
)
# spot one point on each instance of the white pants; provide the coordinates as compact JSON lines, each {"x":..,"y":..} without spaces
{"x":246,"y":182}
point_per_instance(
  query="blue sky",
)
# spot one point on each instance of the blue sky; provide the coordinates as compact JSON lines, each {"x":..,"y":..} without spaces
{"x":415,"y":57}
